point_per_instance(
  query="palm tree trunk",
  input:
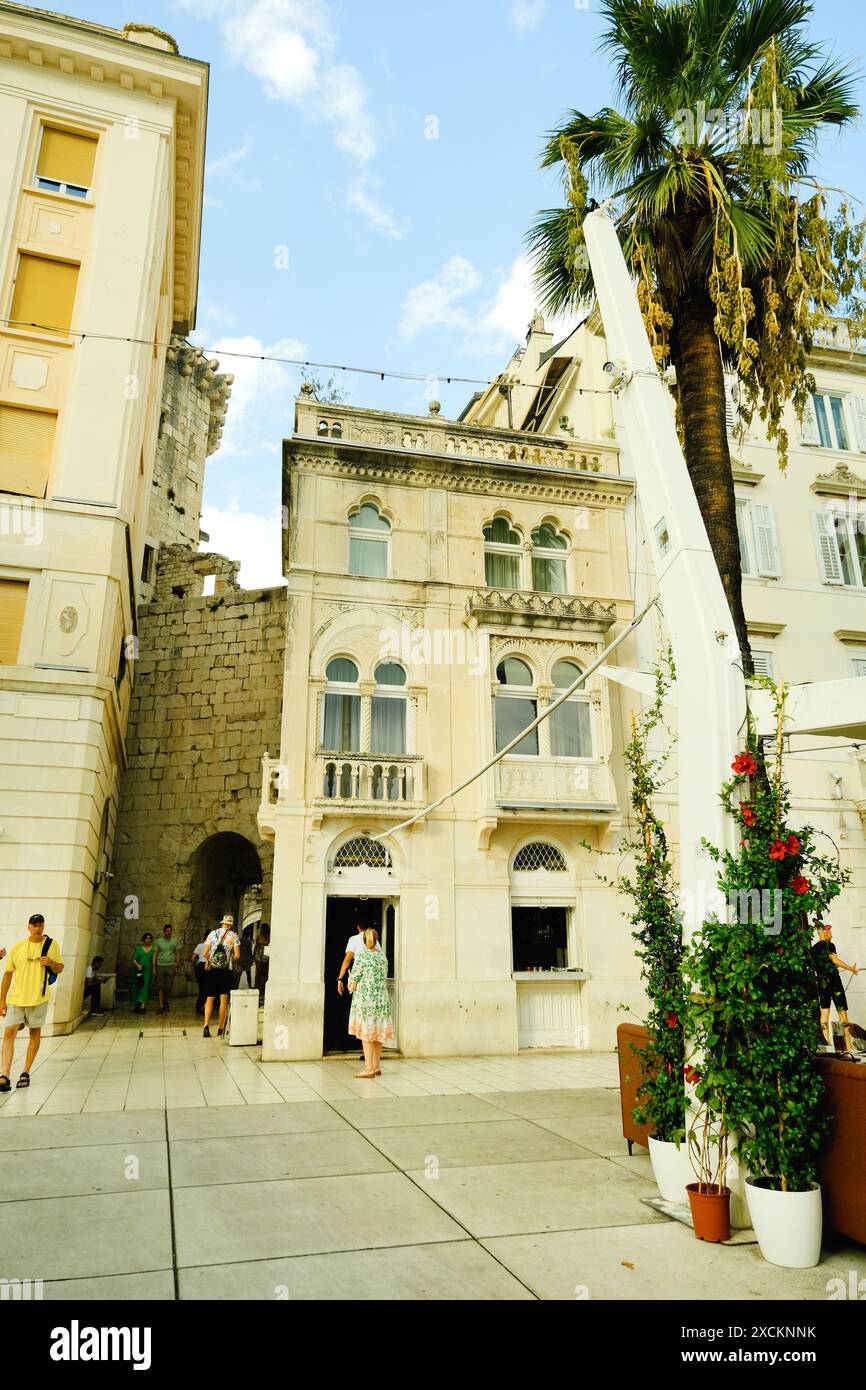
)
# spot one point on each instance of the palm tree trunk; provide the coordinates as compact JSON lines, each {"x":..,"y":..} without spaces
{"x":701,"y":384}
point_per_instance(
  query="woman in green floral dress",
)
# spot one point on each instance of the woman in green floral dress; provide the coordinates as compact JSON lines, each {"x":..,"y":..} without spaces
{"x":370,"y":1016}
{"x":142,"y":973}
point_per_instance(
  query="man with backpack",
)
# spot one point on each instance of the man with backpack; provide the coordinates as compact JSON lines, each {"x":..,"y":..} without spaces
{"x":32,"y":966}
{"x":221,"y":948}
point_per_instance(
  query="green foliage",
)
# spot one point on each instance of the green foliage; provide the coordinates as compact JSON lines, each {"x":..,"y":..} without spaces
{"x":752,"y":1012}
{"x":657,"y":931}
{"x":710,"y":160}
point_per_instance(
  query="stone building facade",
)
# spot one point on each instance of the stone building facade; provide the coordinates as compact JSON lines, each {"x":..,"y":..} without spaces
{"x":205,"y":705}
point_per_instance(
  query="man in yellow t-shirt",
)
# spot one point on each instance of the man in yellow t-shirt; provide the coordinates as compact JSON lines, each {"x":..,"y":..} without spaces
{"x":25,"y":987}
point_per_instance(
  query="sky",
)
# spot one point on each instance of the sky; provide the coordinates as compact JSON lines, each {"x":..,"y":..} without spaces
{"x":372,"y":169}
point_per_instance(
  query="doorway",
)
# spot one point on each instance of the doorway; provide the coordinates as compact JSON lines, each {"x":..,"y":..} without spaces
{"x":344,"y":917}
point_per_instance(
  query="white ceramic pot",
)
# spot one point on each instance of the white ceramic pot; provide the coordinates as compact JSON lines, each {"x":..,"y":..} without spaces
{"x":671,"y":1169}
{"x":787,"y":1224}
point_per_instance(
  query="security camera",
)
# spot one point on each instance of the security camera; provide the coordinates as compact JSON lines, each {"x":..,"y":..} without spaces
{"x":619,"y":374}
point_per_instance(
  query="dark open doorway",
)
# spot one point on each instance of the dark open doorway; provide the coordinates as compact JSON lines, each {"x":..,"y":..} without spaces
{"x":343,"y":918}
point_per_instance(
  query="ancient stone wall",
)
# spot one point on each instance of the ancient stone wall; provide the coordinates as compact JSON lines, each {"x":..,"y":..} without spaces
{"x":205,"y":707}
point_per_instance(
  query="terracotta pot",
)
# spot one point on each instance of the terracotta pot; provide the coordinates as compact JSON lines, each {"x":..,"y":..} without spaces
{"x":711,"y":1211}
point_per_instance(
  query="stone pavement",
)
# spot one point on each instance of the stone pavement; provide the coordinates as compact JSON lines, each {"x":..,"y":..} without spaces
{"x":154,"y":1164}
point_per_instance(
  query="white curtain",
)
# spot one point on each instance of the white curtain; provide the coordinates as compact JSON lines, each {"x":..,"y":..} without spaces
{"x":502,"y":571}
{"x":570,"y":733}
{"x":388,"y":725}
{"x":368,"y":557}
{"x":342,"y":731}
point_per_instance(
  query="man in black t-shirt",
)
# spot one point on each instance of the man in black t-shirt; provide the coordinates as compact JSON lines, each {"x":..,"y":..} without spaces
{"x":829,"y":981}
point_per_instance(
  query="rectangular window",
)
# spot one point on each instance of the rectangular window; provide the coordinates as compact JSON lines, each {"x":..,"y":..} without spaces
{"x":342,"y":726}
{"x":26,"y":441}
{"x":830,"y":418}
{"x":44,"y":293}
{"x":539,"y":937}
{"x":65,"y":162}
{"x":759,"y":544}
{"x":146,"y":564}
{"x":13,"y":601}
{"x":841,"y":548}
{"x":388,"y":725}
{"x":512,"y":715}
{"x":501,"y":571}
{"x":571,"y":731}
{"x":548,"y":575}
{"x":763,"y":663}
{"x":859,"y":665}
{"x":368,"y":558}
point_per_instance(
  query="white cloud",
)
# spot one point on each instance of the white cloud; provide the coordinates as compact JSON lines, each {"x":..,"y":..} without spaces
{"x":362,"y":197}
{"x":526,"y":14}
{"x":483,"y":324}
{"x":226,"y":164}
{"x":437,"y":303}
{"x":250,"y":537}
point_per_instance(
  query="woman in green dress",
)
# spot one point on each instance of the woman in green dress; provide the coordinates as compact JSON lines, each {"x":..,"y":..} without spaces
{"x":142,"y":973}
{"x":370,"y":1015}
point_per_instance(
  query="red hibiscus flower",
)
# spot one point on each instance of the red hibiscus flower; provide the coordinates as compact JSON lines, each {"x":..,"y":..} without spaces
{"x":747,"y":813}
{"x":672,"y":1020}
{"x":792,"y":844}
{"x":800,"y":884}
{"x":744,"y":763}
{"x":692,"y":1076}
{"x":778,"y":849}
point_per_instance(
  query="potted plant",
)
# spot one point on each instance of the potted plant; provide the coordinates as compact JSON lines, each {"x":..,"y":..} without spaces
{"x":709,"y":1196}
{"x":754,"y":1004}
{"x":658,"y":933}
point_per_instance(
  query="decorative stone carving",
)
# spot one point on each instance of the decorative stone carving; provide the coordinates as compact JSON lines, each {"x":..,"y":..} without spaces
{"x":68,"y":618}
{"x":840,"y":482}
{"x":528,"y":609}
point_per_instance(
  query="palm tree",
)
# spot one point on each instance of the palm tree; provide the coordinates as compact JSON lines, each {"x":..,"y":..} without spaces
{"x":726,"y":228}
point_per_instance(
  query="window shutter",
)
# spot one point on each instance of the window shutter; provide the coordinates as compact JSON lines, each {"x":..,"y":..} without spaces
{"x":809,"y":427}
{"x":828,"y":548}
{"x":858,"y":405}
{"x":766,"y":539}
{"x":763,"y":663}
{"x":730,"y":405}
{"x":66,"y":157}
{"x":26,"y":441}
{"x":13,"y":601}
{"x":44,"y":292}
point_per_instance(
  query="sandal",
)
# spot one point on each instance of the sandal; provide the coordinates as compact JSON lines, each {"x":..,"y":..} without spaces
{"x":5,"y":1083}
{"x":23,"y":1081}
{"x":365,"y":1075}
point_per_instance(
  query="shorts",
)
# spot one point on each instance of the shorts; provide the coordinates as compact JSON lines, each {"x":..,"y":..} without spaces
{"x":833,"y":991}
{"x":217,"y":982}
{"x":164,"y":978}
{"x":33,"y":1015}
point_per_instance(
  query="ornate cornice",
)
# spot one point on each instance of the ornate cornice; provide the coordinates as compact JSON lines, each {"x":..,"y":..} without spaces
{"x":511,"y":608}
{"x":841,"y":482}
{"x":745,"y":472}
{"x":505,"y":479}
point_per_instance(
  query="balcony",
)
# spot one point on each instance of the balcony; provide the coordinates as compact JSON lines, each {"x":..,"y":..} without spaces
{"x":524,"y":608}
{"x":584,"y":789}
{"x":380,"y":785}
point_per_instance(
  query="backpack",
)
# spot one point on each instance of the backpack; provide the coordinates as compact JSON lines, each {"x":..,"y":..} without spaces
{"x":50,"y":976}
{"x":219,"y":956}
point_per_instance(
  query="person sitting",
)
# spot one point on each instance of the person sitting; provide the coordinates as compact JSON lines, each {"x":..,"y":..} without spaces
{"x":93,"y":983}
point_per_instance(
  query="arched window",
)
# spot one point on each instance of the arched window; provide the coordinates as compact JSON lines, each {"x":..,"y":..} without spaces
{"x":388,"y":715}
{"x":539,"y":855}
{"x":362,"y":852}
{"x":369,"y":537}
{"x":515,"y":706}
{"x":548,"y":560}
{"x":322,"y":427}
{"x":570,"y":725}
{"x":341,"y":720}
{"x":336,"y":430}
{"x":503,"y":548}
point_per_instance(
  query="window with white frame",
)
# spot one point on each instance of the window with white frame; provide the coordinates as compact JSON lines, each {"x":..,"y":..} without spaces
{"x":548,"y":560}
{"x":571,"y":723}
{"x":759,"y":542}
{"x":341,"y":718}
{"x":503,"y":552}
{"x":835,"y":420}
{"x":369,"y":539}
{"x":388,"y":709}
{"x":841,"y":541}
{"x":858,"y":663}
{"x":515,"y":706}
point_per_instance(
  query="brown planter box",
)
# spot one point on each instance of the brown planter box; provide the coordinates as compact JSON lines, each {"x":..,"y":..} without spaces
{"x":629,"y":1036}
{"x":840,"y":1169}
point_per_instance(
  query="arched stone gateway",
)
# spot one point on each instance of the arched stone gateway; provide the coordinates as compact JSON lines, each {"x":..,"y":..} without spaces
{"x":226,"y":875}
